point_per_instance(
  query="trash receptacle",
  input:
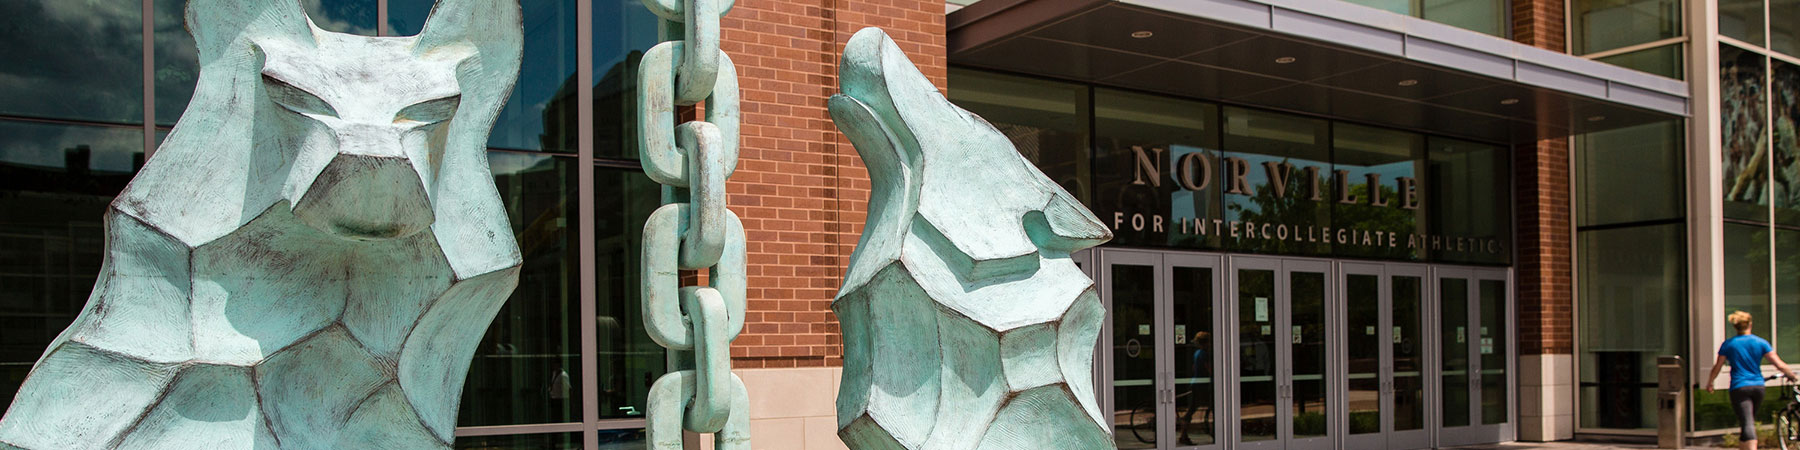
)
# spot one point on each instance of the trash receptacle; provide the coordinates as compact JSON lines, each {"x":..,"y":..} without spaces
{"x":1671,"y":402}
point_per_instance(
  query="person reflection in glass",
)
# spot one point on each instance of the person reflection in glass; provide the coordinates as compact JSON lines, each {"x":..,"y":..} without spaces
{"x":1200,"y":367}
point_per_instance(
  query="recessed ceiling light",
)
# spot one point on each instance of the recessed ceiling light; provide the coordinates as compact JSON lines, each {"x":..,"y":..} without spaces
{"x":1409,"y":82}
{"x":1596,"y":118}
{"x":1142,"y":34}
{"x":1510,"y":101}
{"x":1285,"y":60}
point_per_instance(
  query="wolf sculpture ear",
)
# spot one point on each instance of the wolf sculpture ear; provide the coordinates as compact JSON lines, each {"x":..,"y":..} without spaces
{"x":220,"y":25}
{"x":489,"y":35}
{"x":491,"y":26}
{"x":491,"y":29}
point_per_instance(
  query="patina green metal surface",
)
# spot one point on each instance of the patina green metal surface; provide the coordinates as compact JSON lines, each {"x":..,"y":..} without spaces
{"x":692,"y":230}
{"x":966,"y":324}
{"x":313,"y":254}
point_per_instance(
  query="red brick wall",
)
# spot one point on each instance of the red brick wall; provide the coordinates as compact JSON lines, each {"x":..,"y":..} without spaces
{"x":1545,"y":265}
{"x":800,"y":187}
{"x":1546,"y":246}
{"x":1540,"y":23}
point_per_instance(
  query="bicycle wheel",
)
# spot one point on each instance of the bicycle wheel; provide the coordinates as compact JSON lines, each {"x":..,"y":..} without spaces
{"x":1787,"y":428}
{"x":1143,"y":424}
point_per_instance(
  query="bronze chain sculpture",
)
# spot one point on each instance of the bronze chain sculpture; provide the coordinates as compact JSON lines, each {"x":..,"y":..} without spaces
{"x":692,"y":230}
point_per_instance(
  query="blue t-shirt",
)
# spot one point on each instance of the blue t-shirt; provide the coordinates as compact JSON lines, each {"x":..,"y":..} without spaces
{"x":1745,"y":353}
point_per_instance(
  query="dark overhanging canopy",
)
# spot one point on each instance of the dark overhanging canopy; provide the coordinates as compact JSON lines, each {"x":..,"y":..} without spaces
{"x":1320,"y":57}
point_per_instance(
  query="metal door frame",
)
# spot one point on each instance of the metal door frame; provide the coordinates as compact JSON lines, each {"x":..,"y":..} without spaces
{"x":1103,"y":263}
{"x":1419,"y":438}
{"x":1283,"y":268}
{"x":1476,"y":432}
{"x":1235,"y":263}
{"x":1227,"y":366}
{"x":1162,"y":264}
{"x":1166,"y":309}
{"x":1334,"y":387}
{"x":1384,"y":371}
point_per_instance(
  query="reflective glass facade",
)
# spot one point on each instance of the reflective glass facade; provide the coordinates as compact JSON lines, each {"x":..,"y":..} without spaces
{"x":1760,"y":108}
{"x":1646,"y":35}
{"x":1490,"y":17}
{"x":1631,"y":251}
{"x":1168,"y":172}
{"x":73,"y":131}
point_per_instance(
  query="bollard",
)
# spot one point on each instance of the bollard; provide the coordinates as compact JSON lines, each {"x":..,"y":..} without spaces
{"x":1671,"y":402}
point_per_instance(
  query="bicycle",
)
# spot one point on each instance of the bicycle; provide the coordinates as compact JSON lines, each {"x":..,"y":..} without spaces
{"x":1787,"y":420}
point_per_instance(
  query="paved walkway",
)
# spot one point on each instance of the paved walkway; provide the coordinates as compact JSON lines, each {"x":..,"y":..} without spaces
{"x":1561,"y":446}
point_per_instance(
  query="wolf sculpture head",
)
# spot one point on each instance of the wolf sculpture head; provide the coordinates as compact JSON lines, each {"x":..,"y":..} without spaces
{"x":966,"y":323}
{"x":311,"y":256}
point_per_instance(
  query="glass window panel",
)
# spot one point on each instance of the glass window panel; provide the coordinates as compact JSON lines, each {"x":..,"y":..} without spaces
{"x":1666,"y":60}
{"x":1393,"y":6}
{"x":1630,"y":174}
{"x":1481,"y":16}
{"x":1134,"y":356}
{"x":1713,"y":410}
{"x":1194,"y":355}
{"x":1601,"y":25}
{"x":550,"y":441}
{"x":1786,"y":93}
{"x":1742,"y":19}
{"x":622,"y":439}
{"x":1784,"y":26}
{"x":1787,"y":294}
{"x":1408,"y":352}
{"x":343,"y":16}
{"x":623,"y":30}
{"x":1453,"y":350}
{"x":177,"y":65}
{"x":1142,"y":194}
{"x":177,"y":60}
{"x":1746,"y":145}
{"x":1384,"y":169}
{"x":1259,"y":144}
{"x":1631,"y":310}
{"x":1362,"y":296}
{"x":1747,"y":274}
{"x":1469,"y":201}
{"x":55,"y":184}
{"x":1494,"y":339}
{"x":527,"y":367}
{"x":1046,"y":120}
{"x":1307,"y":341}
{"x":1257,"y":361}
{"x":629,"y":360}
{"x":539,"y":114}
{"x":73,"y":60}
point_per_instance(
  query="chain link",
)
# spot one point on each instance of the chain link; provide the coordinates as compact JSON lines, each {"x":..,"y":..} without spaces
{"x":692,"y":230}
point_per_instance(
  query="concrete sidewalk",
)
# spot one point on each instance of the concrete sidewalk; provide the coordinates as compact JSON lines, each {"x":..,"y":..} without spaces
{"x":1561,"y":446}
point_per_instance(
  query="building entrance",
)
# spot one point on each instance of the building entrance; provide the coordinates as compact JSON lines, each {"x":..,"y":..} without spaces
{"x":1209,"y":351}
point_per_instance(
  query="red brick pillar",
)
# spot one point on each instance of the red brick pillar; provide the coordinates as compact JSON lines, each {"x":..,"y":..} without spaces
{"x":1545,"y":266}
{"x":800,"y":187}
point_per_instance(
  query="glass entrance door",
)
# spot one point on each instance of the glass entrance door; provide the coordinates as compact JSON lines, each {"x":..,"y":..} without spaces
{"x":1163,"y":389}
{"x":1384,"y":351}
{"x":1264,"y":352}
{"x":1284,"y":398}
{"x":1473,"y":358}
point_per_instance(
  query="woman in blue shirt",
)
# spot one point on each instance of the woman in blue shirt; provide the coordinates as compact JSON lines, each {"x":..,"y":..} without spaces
{"x":1745,"y":353}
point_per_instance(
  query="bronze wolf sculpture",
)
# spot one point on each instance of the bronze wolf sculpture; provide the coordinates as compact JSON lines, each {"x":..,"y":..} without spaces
{"x":966,"y":323}
{"x":309,"y":259}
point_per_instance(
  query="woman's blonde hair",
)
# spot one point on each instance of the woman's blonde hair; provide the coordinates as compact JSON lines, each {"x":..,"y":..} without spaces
{"x":1739,"y":320}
